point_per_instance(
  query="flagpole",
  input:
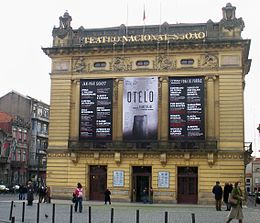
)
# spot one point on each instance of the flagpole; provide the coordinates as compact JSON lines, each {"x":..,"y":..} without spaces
{"x":144,"y":20}
{"x":160,"y":24}
{"x":127,"y":18}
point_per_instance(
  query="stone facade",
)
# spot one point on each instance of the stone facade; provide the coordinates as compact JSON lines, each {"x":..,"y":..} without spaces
{"x":213,"y":53}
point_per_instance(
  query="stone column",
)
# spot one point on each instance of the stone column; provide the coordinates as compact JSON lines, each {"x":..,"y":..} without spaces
{"x":210,"y":106}
{"x":118,"y":116}
{"x":75,"y":123}
{"x":163,"y":112}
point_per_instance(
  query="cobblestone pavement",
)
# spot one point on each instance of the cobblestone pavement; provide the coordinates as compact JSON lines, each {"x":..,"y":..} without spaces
{"x":123,"y":212}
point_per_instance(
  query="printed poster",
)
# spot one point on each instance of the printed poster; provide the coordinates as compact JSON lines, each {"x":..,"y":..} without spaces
{"x":140,"y":108}
{"x":96,"y":109}
{"x":186,"y":108}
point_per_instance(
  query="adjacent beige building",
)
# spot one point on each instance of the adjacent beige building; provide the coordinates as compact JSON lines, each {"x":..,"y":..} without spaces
{"x":159,"y":106}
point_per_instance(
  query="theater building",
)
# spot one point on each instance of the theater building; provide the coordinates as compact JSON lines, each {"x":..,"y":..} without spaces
{"x":159,"y":106}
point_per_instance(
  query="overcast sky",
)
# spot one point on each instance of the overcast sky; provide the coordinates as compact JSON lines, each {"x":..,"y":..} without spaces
{"x":27,"y":26}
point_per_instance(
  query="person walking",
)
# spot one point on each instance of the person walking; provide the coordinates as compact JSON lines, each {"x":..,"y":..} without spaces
{"x":79,"y":197}
{"x":217,"y":190}
{"x":41,"y":192}
{"x":227,"y":190}
{"x":107,"y":196}
{"x":236,"y":210}
{"x":30,"y":192}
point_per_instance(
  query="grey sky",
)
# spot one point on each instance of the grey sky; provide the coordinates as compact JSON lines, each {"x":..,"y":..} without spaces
{"x":27,"y":26}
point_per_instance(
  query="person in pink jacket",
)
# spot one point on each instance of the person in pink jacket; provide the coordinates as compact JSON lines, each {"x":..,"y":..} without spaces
{"x":78,"y":193}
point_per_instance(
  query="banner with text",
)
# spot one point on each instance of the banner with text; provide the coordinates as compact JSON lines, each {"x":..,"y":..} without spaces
{"x":186,"y":108}
{"x":96,"y":109}
{"x":140,"y":108}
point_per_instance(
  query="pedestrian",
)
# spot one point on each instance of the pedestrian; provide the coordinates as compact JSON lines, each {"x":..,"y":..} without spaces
{"x":78,"y":193}
{"x":41,"y":192}
{"x":145,"y":195}
{"x":107,"y":196}
{"x":151,"y":195}
{"x":217,"y":190}
{"x":47,"y":198}
{"x":236,"y":210}
{"x":227,"y":190}
{"x":30,"y":192}
{"x":23,"y":192}
{"x":20,"y":192}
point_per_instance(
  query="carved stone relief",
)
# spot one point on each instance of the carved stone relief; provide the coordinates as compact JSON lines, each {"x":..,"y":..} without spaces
{"x":121,"y":64}
{"x":79,"y":65}
{"x":208,"y":61}
{"x":163,"y":62}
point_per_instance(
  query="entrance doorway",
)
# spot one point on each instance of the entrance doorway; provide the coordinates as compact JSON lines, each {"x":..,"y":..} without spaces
{"x":187,"y":185}
{"x":98,"y":182}
{"x":141,"y":179}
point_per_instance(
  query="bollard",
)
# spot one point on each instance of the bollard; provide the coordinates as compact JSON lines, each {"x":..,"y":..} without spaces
{"x":192,"y":218}
{"x":13,"y":220}
{"x":23,"y":211}
{"x":71,"y":211}
{"x":166,"y":217}
{"x":38,"y":213}
{"x":53,"y":213}
{"x":137,"y":216}
{"x":89,"y":214}
{"x":11,"y":210}
{"x":112,"y":215}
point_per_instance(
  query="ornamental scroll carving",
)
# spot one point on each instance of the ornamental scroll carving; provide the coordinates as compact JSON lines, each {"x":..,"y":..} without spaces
{"x":209,"y":61}
{"x":163,"y":62}
{"x":121,"y":64}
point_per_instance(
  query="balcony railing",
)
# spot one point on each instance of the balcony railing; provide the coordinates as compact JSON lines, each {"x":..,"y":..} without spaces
{"x":205,"y":145}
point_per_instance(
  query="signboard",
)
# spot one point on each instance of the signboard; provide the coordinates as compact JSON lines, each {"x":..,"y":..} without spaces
{"x":163,"y":179}
{"x":186,"y":108}
{"x":96,"y":109}
{"x":140,"y":108}
{"x":118,"y":178}
{"x":145,"y":38}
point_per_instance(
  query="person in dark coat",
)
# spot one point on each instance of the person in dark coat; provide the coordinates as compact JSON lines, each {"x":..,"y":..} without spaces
{"x":30,"y":192}
{"x":217,"y":190}
{"x":227,"y":190}
{"x":145,"y":195}
{"x":42,"y":193}
{"x":107,"y":196}
{"x":23,"y":191}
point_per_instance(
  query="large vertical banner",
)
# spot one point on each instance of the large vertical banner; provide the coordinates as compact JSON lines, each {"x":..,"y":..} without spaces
{"x":140,"y":108}
{"x":96,"y":109}
{"x":186,"y":108}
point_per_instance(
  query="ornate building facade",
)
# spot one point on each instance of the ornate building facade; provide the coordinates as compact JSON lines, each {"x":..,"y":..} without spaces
{"x":139,"y":107}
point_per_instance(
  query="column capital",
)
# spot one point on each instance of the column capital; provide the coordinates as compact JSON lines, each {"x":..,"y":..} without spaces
{"x":210,"y":77}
